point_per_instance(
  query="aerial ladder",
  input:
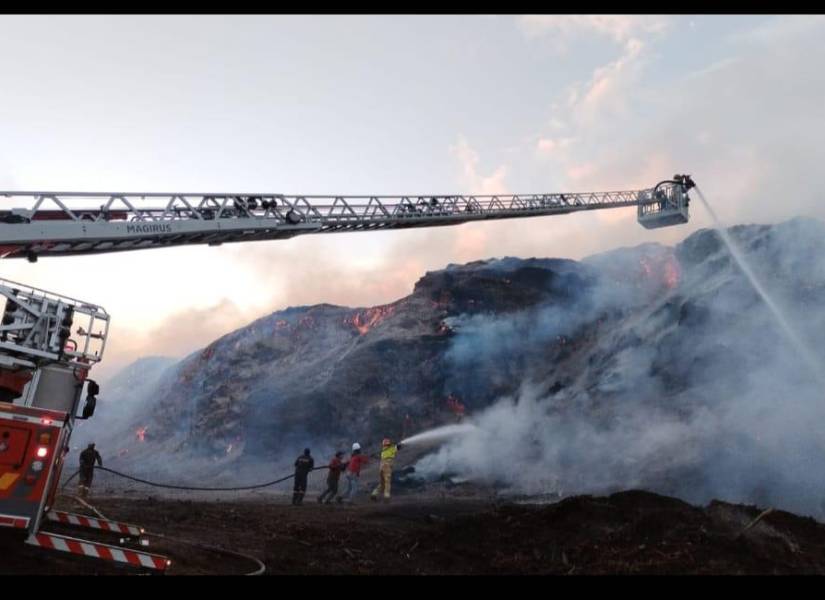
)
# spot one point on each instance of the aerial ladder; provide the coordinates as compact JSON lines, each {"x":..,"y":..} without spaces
{"x":49,"y":342}
{"x":35,"y":224}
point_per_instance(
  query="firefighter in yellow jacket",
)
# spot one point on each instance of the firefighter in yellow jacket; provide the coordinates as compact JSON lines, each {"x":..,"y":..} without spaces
{"x":388,"y":452}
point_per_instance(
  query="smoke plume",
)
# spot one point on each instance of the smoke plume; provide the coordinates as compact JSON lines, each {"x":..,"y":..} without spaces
{"x":692,"y":392}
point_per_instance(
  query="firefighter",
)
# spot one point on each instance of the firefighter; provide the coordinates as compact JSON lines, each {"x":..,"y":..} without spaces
{"x":388,"y":452}
{"x":303,"y":465}
{"x":336,"y":467}
{"x":353,"y":472}
{"x":87,"y":469}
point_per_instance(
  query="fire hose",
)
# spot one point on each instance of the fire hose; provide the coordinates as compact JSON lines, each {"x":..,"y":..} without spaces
{"x":189,"y":488}
{"x":259,"y":571}
{"x":261,"y":566}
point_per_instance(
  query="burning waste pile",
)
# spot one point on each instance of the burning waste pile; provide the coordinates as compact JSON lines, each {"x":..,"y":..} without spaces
{"x":648,"y":367}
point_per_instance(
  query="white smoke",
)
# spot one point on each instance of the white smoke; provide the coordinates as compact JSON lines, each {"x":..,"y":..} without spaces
{"x":695,"y":394}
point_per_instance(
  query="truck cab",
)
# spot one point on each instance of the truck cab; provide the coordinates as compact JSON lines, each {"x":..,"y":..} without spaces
{"x":45,"y":358}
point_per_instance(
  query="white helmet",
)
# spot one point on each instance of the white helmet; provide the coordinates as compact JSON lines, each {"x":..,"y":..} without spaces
{"x":356,"y":446}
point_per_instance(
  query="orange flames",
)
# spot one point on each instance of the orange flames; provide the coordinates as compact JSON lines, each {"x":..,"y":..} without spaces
{"x":366,"y":320}
{"x":673,"y":273}
{"x":456,"y":406}
{"x":665,"y":269}
{"x":141,"y":434}
{"x":647,"y":269}
{"x":294,"y":329}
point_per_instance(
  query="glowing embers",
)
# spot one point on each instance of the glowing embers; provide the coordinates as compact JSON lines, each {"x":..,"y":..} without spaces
{"x":443,"y":329}
{"x":456,"y":407}
{"x":365,"y":320}
{"x":140,"y":434}
{"x":661,"y":271}
{"x":673,"y":273}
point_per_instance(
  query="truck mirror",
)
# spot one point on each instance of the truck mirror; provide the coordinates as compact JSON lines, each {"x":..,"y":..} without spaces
{"x":92,"y":390}
{"x":89,"y":407}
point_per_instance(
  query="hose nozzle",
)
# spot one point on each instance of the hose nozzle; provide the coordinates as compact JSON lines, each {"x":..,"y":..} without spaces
{"x":685,"y":180}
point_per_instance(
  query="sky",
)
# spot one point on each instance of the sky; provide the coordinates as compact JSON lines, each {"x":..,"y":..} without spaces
{"x":390,"y":105}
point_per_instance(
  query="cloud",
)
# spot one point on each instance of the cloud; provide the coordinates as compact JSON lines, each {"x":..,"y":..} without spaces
{"x":546,"y":146}
{"x":746,"y":124}
{"x":7,"y":180}
{"x":620,"y":28}
{"x":179,"y":334}
{"x":471,"y":178}
{"x":579,"y":172}
{"x":610,"y":86}
{"x":747,"y":127}
{"x":604,"y":100}
{"x":781,"y":29}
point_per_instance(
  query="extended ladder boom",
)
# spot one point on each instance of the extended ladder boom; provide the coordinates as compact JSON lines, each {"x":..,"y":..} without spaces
{"x":59,"y":223}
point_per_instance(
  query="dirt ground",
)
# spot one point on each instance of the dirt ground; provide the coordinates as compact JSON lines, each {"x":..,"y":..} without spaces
{"x":625,"y":533}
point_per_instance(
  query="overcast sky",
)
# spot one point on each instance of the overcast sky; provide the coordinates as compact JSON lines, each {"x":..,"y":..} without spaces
{"x":355,"y":104}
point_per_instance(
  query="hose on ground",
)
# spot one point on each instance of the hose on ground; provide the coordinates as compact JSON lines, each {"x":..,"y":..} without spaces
{"x":189,"y":487}
{"x":259,"y":571}
{"x":261,"y":566}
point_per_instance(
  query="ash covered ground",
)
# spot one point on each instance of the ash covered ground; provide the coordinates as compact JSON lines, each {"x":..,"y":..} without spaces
{"x":630,"y":532}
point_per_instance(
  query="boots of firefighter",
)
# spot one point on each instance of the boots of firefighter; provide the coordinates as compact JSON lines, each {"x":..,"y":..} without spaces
{"x":83,"y":492}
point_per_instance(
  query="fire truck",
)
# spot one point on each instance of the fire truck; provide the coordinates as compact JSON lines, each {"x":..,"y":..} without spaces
{"x":48,"y":345}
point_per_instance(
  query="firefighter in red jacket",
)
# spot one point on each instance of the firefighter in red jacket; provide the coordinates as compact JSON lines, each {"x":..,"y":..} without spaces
{"x":336,"y":467}
{"x":353,"y":472}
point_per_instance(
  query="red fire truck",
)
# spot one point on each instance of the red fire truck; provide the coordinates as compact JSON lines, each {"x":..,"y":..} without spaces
{"x":48,"y":344}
